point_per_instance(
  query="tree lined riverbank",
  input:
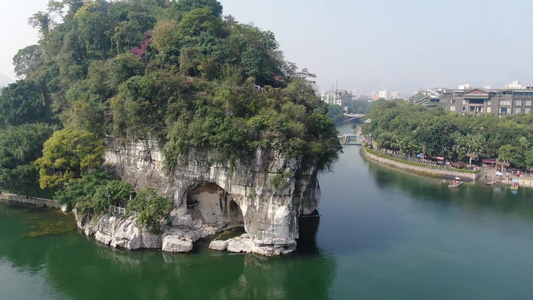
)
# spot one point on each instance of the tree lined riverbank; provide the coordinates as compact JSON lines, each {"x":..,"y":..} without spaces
{"x":484,"y":175}
{"x":408,"y":129}
{"x":421,"y":170}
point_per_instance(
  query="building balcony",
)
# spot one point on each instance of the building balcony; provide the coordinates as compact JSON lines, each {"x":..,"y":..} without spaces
{"x":481,"y":96}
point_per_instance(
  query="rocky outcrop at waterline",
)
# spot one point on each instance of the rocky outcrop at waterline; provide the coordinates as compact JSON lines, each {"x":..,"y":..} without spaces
{"x":123,"y":232}
{"x":210,"y":197}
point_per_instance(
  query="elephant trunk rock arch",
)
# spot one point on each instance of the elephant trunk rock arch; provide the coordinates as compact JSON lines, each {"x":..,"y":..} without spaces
{"x":209,"y":195}
{"x":208,"y":203}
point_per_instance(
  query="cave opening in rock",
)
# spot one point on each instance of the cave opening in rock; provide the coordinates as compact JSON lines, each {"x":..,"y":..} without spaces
{"x":210,"y":204}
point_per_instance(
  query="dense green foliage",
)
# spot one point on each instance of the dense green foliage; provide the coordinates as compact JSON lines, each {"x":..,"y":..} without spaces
{"x":19,"y":148}
{"x":67,"y":155}
{"x":150,"y":208}
{"x":359,"y":106}
{"x":411,"y":129}
{"x":528,"y":159}
{"x":22,"y":102}
{"x":235,"y":120}
{"x":178,"y":71}
{"x":335,"y":114}
{"x":175,"y":70}
{"x":94,"y":193}
{"x":280,"y":181}
{"x":79,"y":193}
{"x":26,"y":122}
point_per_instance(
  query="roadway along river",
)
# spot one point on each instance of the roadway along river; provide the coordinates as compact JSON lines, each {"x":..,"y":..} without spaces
{"x":382,"y":234}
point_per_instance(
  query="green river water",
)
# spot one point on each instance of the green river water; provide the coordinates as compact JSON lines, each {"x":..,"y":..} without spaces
{"x":382,"y":234}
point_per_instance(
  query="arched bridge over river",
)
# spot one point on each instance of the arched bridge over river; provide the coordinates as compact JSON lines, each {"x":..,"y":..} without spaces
{"x":353,"y":117}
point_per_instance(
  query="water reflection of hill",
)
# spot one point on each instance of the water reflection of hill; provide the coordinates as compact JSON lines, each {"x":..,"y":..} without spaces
{"x":77,"y":267}
{"x":92,"y":271}
{"x":97,"y":272}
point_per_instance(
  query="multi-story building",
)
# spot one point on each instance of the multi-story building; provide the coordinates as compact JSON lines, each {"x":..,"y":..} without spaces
{"x":395,"y":95}
{"x":338,"y":97}
{"x":515,"y":85}
{"x":478,"y":101}
{"x":429,"y":98}
{"x":356,"y":94}
{"x":481,"y":101}
{"x":384,"y":93}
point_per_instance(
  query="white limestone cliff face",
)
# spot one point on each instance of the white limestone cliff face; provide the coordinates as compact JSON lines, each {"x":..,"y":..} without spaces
{"x":118,"y":232}
{"x":123,"y":232}
{"x":219,"y":197}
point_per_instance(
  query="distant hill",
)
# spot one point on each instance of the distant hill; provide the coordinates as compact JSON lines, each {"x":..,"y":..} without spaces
{"x":4,"y":80}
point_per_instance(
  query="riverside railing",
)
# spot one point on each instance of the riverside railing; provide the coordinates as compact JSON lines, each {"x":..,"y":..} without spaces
{"x":117,"y":211}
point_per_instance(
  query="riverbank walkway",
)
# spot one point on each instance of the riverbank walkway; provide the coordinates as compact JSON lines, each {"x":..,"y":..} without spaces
{"x":422,"y":163}
{"x":525,"y":180}
{"x":429,"y":167}
{"x":38,"y":202}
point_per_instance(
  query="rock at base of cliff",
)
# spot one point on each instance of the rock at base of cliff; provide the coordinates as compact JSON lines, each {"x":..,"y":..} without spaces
{"x":241,"y":244}
{"x":180,"y":218}
{"x":274,"y":250}
{"x":118,"y":232}
{"x":127,"y":235}
{"x":173,"y":243}
{"x":218,"y":245}
{"x":244,"y":244}
{"x":150,"y":240}
{"x":103,"y":238}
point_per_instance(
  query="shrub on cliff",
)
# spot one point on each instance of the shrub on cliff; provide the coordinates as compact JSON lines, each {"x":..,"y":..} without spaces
{"x":78,"y":193}
{"x":94,"y":193}
{"x":280,"y":181}
{"x":149,"y":208}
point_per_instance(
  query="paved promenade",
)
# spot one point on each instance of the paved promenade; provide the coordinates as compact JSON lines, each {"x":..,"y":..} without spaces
{"x":485,"y":175}
{"x":426,"y":170}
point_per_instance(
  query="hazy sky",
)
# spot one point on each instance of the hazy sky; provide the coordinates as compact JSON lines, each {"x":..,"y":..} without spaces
{"x":400,"y":45}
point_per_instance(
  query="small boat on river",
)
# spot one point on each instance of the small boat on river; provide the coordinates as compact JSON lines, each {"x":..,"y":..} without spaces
{"x":455,"y":183}
{"x":515,"y":185}
{"x":492,"y":182}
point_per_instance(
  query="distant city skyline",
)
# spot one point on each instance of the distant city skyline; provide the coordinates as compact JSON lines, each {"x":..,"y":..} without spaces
{"x":366,"y":45}
{"x":386,"y":93}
